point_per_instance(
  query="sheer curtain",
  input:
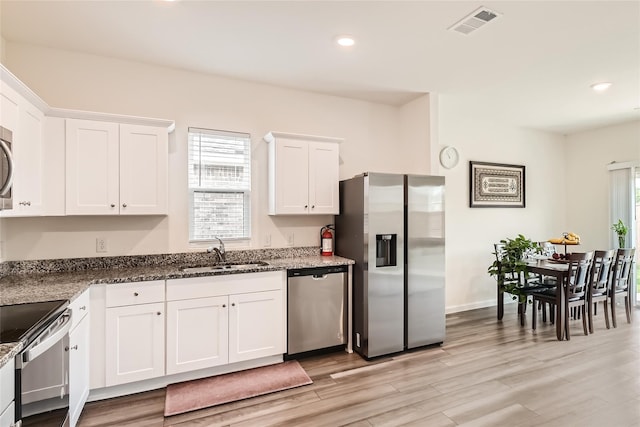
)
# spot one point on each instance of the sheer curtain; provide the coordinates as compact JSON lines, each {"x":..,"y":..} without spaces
{"x":622,"y":204}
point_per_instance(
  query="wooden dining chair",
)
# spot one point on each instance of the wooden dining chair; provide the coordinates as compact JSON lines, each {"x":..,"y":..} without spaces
{"x":576,"y":289}
{"x":525,"y":283}
{"x":621,"y":282}
{"x":600,"y":281}
{"x":505,"y":277}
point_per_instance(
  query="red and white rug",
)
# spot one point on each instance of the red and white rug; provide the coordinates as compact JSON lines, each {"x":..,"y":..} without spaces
{"x":205,"y":392}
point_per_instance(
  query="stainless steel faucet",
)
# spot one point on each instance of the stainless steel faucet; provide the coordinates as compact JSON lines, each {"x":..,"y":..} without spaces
{"x":219,"y":251}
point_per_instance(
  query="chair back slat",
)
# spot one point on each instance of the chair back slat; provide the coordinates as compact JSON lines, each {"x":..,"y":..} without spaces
{"x":580,"y":273}
{"x":622,"y":269}
{"x":602,"y":271}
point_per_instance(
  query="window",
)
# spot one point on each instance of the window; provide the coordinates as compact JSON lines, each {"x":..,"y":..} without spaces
{"x":219,"y":184}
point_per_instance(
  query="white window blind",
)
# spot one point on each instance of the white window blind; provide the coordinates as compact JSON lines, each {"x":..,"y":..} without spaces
{"x":219,"y":184}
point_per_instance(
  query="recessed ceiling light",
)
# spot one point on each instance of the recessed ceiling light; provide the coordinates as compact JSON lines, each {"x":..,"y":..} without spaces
{"x":345,"y":41}
{"x":601,"y":87}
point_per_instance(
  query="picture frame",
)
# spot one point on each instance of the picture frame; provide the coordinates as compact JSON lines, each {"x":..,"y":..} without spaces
{"x":494,"y":185}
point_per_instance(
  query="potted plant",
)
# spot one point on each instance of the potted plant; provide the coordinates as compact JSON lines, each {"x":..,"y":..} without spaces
{"x":621,"y":230}
{"x":510,"y":265}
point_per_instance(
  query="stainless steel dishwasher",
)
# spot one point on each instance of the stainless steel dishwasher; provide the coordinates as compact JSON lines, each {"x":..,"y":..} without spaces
{"x":316,"y":308}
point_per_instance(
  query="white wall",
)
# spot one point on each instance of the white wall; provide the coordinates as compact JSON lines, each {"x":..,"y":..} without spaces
{"x":566,"y":184}
{"x":471,"y":232}
{"x":588,"y":154}
{"x":372,"y":132}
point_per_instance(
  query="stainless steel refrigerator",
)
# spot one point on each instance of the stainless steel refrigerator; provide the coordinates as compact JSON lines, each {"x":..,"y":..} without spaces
{"x":393,"y":227}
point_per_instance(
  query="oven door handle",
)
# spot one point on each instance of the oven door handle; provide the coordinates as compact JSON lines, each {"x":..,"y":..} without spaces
{"x":49,"y":341}
{"x":7,"y":184}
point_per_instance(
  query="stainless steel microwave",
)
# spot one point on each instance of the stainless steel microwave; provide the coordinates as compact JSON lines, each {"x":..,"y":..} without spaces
{"x":6,"y":168}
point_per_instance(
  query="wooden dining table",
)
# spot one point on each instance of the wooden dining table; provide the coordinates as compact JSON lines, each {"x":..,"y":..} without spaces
{"x":559,"y":270}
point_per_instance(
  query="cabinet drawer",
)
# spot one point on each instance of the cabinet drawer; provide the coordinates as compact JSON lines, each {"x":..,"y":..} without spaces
{"x":79,"y":308}
{"x":121,"y":294}
{"x":211,"y":286}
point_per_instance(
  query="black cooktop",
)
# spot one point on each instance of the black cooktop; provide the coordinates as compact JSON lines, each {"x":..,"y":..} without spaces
{"x":22,"y":321}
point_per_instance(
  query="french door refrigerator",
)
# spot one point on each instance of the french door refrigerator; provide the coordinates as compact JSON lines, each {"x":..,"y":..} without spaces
{"x":392,"y":225}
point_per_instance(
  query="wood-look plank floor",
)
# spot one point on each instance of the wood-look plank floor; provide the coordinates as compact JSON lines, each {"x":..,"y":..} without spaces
{"x":487,"y":373}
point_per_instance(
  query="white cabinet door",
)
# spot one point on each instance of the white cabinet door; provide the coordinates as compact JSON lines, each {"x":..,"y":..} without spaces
{"x":9,"y":107}
{"x":134,"y":343}
{"x":292,"y":177}
{"x":303,"y":174}
{"x":324,"y":178}
{"x":26,"y":124}
{"x":7,"y":417}
{"x":92,"y":172}
{"x":143,"y":169}
{"x":255,"y":325}
{"x":78,"y":368}
{"x":27,"y":184}
{"x":197,"y":334}
{"x":7,"y":390}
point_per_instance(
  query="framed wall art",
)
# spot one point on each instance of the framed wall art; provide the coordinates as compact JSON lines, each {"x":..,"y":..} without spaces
{"x":496,"y":185}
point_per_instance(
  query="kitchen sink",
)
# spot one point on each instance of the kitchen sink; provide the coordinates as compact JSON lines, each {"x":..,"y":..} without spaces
{"x":224,"y":267}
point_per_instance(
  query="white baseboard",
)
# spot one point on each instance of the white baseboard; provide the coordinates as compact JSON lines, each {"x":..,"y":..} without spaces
{"x":160,"y":382}
{"x":475,"y":305}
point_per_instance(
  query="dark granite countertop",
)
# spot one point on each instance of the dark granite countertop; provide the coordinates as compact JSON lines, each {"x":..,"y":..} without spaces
{"x":9,"y":351}
{"x":40,"y":282}
{"x":34,"y":287}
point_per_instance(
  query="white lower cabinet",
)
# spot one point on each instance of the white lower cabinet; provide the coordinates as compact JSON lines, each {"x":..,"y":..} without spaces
{"x":7,"y":417}
{"x":146,"y":330}
{"x":7,"y":378}
{"x":79,"y":357}
{"x":216,"y":320}
{"x":192,"y":345}
{"x":255,"y":325}
{"x":134,"y":333}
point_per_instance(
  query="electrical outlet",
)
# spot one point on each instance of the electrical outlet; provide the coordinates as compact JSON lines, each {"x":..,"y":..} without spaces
{"x":267,"y":240}
{"x":290,"y":239}
{"x":101,"y":244}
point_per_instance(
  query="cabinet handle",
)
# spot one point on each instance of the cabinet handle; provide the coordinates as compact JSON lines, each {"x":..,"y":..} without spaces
{"x":158,"y":313}
{"x":67,"y":348}
{"x":135,"y":294}
{"x":124,"y":205}
{"x":84,"y":307}
{"x":313,"y":206}
{"x":233,"y":304}
{"x":25,"y":203}
{"x":306,"y":206}
{"x":113,"y":205}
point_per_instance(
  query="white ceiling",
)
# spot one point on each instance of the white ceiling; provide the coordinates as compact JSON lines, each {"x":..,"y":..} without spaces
{"x":532,"y":66}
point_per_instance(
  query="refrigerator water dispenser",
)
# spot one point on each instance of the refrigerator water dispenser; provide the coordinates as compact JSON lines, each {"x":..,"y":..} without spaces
{"x":386,"y":250}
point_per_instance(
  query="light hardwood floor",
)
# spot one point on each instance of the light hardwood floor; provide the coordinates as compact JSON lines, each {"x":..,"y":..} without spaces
{"x":487,"y":373}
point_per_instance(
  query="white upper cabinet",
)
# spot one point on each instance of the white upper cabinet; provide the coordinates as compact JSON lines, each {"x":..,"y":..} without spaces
{"x":92,"y":159}
{"x":70,"y":162}
{"x":115,"y":168}
{"x":303,"y":174}
{"x":25,"y":121}
{"x":144,"y":163}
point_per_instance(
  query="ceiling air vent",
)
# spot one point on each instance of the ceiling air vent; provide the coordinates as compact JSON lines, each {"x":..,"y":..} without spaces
{"x":473,"y":21}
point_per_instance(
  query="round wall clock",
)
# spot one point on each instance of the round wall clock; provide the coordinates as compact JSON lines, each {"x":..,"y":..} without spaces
{"x":449,"y":157}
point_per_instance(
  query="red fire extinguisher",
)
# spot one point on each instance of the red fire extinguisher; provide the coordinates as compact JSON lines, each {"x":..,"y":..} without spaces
{"x":326,"y":240}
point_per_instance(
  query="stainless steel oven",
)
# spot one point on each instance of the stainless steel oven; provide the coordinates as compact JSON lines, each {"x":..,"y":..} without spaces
{"x":6,"y":168}
{"x":42,"y":367}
